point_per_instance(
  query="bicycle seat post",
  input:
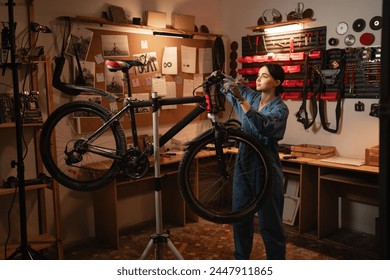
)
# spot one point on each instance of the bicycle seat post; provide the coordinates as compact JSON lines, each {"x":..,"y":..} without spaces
{"x":127,"y":80}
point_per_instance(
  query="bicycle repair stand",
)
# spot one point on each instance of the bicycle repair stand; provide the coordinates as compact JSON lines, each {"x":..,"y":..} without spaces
{"x":24,"y":250}
{"x":158,"y":239}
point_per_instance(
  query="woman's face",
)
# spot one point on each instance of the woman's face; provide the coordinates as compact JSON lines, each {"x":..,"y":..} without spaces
{"x":265,"y":82}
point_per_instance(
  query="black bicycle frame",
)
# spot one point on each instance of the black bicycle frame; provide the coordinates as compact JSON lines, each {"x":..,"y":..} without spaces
{"x":161,"y":102}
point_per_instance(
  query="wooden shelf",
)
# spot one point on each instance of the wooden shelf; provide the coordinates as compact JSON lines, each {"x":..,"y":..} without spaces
{"x":259,"y":28}
{"x":322,"y":184}
{"x":12,"y":125}
{"x":7,"y":191}
{"x":356,"y":181}
{"x":291,"y":170}
{"x":102,"y":21}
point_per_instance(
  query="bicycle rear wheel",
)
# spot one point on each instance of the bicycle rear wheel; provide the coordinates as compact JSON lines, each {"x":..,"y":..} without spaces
{"x":73,"y":162}
{"x":209,"y":192}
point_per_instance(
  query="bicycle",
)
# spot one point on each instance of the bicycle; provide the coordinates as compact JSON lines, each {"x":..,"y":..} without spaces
{"x":89,"y":160}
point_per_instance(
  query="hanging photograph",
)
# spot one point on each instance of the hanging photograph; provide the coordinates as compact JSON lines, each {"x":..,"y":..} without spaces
{"x":79,"y":42}
{"x":114,"y":83}
{"x":149,"y":60}
{"x":87,"y":72}
{"x":115,"y":45}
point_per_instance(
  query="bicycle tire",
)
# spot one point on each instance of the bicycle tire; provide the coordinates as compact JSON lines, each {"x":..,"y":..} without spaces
{"x":80,"y":170}
{"x":206,"y":191}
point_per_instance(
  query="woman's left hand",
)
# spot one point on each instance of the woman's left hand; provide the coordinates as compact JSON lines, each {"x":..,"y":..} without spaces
{"x":233,"y":88}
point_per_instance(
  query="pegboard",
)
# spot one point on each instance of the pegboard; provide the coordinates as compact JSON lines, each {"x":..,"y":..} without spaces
{"x":301,"y":41}
{"x":304,"y":52}
{"x":294,"y":51}
{"x":362,"y":72}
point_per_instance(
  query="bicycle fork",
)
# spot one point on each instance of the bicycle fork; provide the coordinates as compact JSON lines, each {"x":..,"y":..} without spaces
{"x":219,"y":140}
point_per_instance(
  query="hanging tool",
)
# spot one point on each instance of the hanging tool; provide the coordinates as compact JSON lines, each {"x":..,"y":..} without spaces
{"x":249,"y":41}
{"x":265,"y":45}
{"x":291,"y":44}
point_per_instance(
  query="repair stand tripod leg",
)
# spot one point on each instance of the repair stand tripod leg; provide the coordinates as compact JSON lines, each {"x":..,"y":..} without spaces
{"x":158,"y":239}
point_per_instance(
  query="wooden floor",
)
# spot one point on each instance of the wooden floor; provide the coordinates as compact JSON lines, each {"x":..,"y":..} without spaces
{"x":208,"y":241}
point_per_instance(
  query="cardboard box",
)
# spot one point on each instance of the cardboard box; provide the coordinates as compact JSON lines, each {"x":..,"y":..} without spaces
{"x":372,"y":156}
{"x":156,"y":19}
{"x":183,"y":22}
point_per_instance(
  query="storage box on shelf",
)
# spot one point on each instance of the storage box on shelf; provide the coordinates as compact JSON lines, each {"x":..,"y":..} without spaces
{"x":372,"y":156}
{"x":313,"y":151}
{"x":183,"y":22}
{"x":156,"y":19}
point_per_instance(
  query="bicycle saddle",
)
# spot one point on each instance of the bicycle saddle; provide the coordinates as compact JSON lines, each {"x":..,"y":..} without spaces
{"x":123,"y":65}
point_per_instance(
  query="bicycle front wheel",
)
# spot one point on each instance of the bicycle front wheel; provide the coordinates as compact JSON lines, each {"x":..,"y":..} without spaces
{"x":72,"y":160}
{"x":211,"y":184}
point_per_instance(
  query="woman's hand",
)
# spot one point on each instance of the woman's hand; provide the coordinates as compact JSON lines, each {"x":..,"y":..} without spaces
{"x":233,"y":88}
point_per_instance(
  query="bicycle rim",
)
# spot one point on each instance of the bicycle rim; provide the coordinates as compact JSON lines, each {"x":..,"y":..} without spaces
{"x":80,"y":169}
{"x":209,"y":193}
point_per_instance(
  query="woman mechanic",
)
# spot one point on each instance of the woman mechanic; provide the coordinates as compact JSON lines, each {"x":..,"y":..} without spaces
{"x":264,"y":115}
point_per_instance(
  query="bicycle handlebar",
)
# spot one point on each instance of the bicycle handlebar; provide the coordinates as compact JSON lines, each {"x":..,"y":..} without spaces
{"x":216,"y":77}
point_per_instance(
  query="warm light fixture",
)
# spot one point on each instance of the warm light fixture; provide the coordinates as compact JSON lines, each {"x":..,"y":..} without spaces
{"x":284,"y":28}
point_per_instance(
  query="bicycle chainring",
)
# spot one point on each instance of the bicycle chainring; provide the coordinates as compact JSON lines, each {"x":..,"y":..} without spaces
{"x":136,"y":164}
